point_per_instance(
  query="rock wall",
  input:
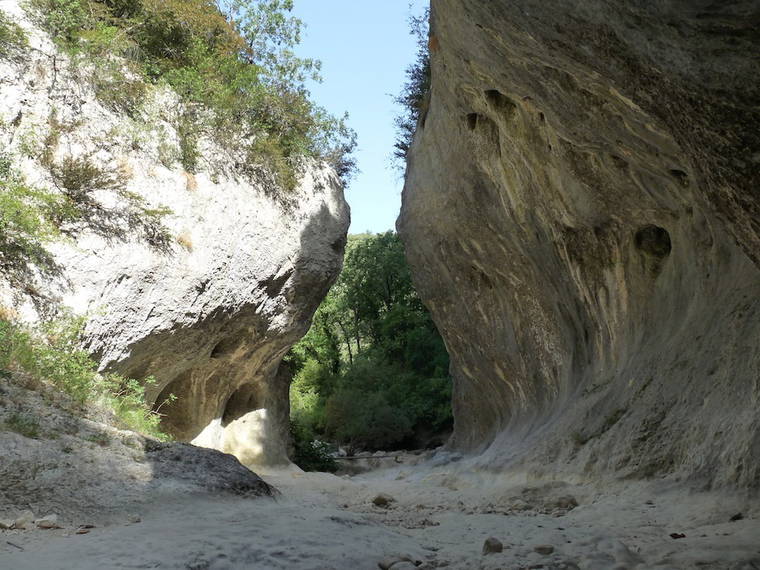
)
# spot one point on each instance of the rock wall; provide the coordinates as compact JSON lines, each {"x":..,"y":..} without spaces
{"x":211,"y":316}
{"x":582,"y":216}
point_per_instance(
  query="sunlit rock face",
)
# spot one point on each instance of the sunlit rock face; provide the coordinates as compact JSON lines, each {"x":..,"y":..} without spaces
{"x":582,"y":216}
{"x":247,"y":265}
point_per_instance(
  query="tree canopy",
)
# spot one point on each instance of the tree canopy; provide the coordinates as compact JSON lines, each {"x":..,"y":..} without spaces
{"x":372,"y":371}
{"x":232,"y":63}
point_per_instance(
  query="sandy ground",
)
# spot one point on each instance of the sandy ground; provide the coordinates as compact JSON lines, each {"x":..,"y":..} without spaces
{"x":439,"y":518}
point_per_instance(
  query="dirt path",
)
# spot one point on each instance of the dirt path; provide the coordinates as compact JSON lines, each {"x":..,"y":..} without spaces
{"x":437,"y":518}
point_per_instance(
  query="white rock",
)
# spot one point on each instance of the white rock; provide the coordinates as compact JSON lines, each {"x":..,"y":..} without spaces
{"x":47,"y":522}
{"x":24,"y":520}
{"x":247,"y":267}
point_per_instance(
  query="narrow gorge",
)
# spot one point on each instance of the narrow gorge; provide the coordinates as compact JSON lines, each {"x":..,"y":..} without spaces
{"x":581,"y":217}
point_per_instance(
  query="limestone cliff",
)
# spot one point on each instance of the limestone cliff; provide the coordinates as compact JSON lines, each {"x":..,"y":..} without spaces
{"x":211,"y":315}
{"x":581,"y":213}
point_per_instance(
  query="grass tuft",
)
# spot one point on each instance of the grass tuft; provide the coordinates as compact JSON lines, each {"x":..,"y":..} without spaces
{"x":51,"y":355}
{"x":23,"y":424}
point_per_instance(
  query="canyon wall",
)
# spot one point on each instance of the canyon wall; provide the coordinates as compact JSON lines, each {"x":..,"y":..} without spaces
{"x":582,"y":216}
{"x":209,"y":314}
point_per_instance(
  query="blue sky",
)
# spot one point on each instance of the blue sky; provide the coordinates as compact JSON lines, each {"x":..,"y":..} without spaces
{"x":364,"y":46}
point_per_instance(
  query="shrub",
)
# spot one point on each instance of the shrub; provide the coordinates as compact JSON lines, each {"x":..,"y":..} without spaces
{"x":51,"y":354}
{"x":25,"y":227}
{"x":31,"y":217}
{"x":79,"y":179}
{"x":23,"y":424}
{"x":13,"y":41}
{"x":364,"y":419}
{"x":415,"y":90}
{"x":63,"y":19}
{"x":237,"y":76}
{"x":309,"y":453}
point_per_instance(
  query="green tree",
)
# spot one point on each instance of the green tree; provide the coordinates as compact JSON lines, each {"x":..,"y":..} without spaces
{"x":236,"y":72}
{"x":414,"y":93}
{"x":372,"y":371}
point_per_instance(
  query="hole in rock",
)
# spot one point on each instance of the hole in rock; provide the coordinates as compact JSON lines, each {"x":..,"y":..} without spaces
{"x":179,"y":417}
{"x":653,"y":240}
{"x":472,"y":121}
{"x":680,"y":175}
{"x":619,"y":162}
{"x":225,"y":346}
{"x":242,"y":401}
{"x":499,"y":101}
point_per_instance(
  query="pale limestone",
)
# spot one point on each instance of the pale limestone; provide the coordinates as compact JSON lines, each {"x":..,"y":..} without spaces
{"x":211,"y":318}
{"x":580,"y":214}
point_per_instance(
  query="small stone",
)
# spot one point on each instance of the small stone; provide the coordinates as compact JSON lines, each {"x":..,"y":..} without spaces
{"x":393,"y":562}
{"x":5,"y":524}
{"x":736,"y":517}
{"x":134,"y":519}
{"x":48,"y":522}
{"x":382,"y":500}
{"x":544,"y":549}
{"x":677,"y":535}
{"x":24,"y":520}
{"x":568,"y":502}
{"x":492,"y":545}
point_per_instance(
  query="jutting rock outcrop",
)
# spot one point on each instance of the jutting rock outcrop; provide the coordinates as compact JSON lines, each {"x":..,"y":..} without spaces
{"x":582,"y":216}
{"x":211,"y":314}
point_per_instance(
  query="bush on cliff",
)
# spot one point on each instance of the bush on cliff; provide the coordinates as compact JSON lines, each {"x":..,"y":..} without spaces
{"x":235,"y":72}
{"x":13,"y":40}
{"x":31,"y":217}
{"x":415,"y":91}
{"x":50,"y":354}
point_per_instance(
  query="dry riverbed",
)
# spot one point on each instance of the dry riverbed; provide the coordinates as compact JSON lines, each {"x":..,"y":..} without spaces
{"x":407,"y":517}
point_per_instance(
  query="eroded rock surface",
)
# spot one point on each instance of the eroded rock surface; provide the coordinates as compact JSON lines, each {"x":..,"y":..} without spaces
{"x":76,"y":465}
{"x":211,"y":316}
{"x":581,"y":214}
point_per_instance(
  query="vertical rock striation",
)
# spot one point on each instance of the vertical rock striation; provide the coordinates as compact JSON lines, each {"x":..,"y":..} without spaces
{"x":211,"y":316}
{"x":582,"y":216}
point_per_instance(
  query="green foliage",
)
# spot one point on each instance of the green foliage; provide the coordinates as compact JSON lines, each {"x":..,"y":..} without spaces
{"x":372,"y":371}
{"x":415,"y":91}
{"x":79,"y":179}
{"x":25,"y":226}
{"x":63,"y":18}
{"x":365,"y":418}
{"x":51,"y":354}
{"x":31,"y":217}
{"x":23,"y":424}
{"x":309,"y":453}
{"x":13,"y":41}
{"x":236,"y":74}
